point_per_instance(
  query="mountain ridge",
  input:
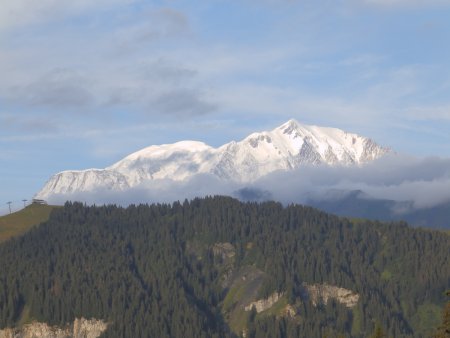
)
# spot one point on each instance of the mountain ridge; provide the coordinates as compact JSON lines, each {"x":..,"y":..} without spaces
{"x":286,"y":147}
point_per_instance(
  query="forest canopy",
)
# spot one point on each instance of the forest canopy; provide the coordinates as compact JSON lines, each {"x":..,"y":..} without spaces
{"x":171,"y":270}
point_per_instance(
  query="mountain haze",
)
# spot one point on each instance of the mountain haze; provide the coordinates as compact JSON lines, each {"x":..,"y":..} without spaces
{"x":287,"y":147}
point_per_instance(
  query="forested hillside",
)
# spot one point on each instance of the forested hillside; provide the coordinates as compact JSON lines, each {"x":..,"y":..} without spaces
{"x":190,"y":269}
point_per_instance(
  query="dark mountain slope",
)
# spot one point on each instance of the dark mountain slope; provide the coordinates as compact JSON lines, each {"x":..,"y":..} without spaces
{"x":357,"y":204}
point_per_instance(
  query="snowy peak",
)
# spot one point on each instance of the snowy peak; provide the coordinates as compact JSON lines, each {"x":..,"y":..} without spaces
{"x":330,"y":145}
{"x":166,"y":150}
{"x":293,"y":144}
{"x":286,"y":147}
{"x":175,"y":161}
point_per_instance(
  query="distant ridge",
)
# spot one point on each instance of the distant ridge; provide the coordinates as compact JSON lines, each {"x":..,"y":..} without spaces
{"x":286,"y":147}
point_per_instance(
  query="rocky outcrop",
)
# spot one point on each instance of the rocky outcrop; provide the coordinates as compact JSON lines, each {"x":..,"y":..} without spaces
{"x":83,"y":328}
{"x":321,"y":293}
{"x":224,"y":250}
{"x":264,"y":304}
{"x":80,"y":328}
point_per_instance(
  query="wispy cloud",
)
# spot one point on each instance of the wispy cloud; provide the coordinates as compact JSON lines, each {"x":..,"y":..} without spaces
{"x":152,"y":25}
{"x":10,"y":122}
{"x":182,"y":103}
{"x":178,"y":79}
{"x":59,"y":89}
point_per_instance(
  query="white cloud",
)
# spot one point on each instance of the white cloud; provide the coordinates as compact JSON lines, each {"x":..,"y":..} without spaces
{"x":425,"y":181}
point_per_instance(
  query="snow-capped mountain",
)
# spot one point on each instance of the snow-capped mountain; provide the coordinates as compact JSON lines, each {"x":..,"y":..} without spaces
{"x":284,"y":148}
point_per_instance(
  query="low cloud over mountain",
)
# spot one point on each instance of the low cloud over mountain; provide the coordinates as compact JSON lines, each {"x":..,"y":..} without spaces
{"x":392,"y":187}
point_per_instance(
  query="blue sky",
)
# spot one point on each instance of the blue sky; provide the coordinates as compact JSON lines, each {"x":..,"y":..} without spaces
{"x":84,"y":83}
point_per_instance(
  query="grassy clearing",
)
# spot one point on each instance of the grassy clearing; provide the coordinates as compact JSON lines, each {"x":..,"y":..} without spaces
{"x":21,"y":221}
{"x":243,"y":290}
{"x":238,"y":321}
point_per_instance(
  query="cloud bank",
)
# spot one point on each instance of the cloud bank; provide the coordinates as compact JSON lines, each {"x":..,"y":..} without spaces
{"x":423,"y":182}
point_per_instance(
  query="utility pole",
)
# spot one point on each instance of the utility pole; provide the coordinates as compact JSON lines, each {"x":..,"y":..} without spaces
{"x":9,"y":204}
{"x":24,"y":203}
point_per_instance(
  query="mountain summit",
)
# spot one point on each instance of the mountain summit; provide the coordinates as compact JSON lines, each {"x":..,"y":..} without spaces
{"x":287,"y":147}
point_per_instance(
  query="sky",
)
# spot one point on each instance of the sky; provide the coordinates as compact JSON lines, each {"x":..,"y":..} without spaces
{"x":84,"y":83}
